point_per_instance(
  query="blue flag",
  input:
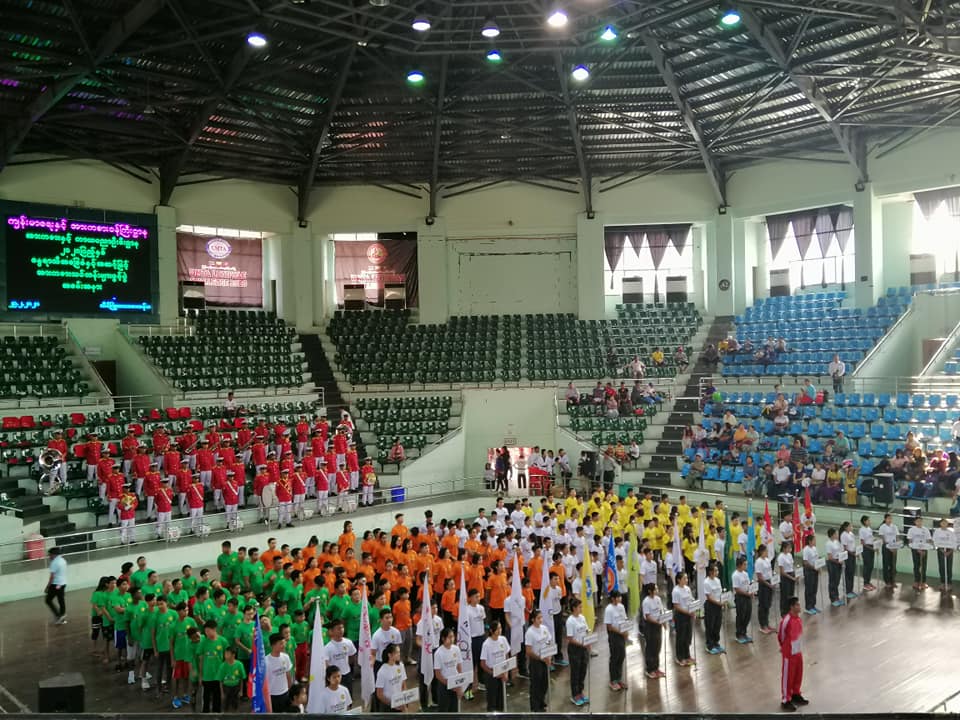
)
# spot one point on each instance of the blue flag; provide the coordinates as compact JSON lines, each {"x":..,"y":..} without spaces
{"x":751,"y":541}
{"x":259,"y":688}
{"x":612,"y":581}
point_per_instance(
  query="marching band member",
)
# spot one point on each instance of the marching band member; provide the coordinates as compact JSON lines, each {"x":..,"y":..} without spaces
{"x":369,"y":480}
{"x":303,"y":436}
{"x":139,"y":467}
{"x":184,"y":479}
{"x":114,"y":484}
{"x":128,"y":515}
{"x":91,"y":451}
{"x":230,"y":497}
{"x":299,"y":489}
{"x":218,"y":478}
{"x":260,"y":481}
{"x":204,"y":463}
{"x":343,"y":487}
{"x":151,"y":486}
{"x":128,"y":446}
{"x":56,"y":442}
{"x":353,"y":467}
{"x":164,"y":500}
{"x":284,"y":489}
{"x":195,"y":501}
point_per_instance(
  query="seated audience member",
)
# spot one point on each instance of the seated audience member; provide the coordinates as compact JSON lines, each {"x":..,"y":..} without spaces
{"x":729,"y":418}
{"x":634,"y":452}
{"x":841,"y":445}
{"x":711,"y":357}
{"x":834,"y":484}
{"x":733,"y":345}
{"x":850,"y":475}
{"x":808,"y":393}
{"x":781,"y":346}
{"x":637,"y":368}
{"x":780,"y":422}
{"x":798,"y":453}
{"x":572,"y":395}
{"x":749,"y":476}
{"x":697,"y":468}
{"x":699,"y":433}
{"x":686,"y":440}
{"x":782,"y":479}
{"x":910,"y":444}
{"x":620,"y":452}
{"x":722,"y":347}
{"x":818,"y":477}
{"x":657,"y":358}
{"x":753,"y":437}
{"x":783,"y":453}
{"x":636,"y":394}
{"x":747,"y":347}
{"x":612,"y":407}
{"x":650,"y":395}
{"x":597,"y":394}
{"x":680,"y":359}
{"x":397,"y":453}
{"x":740,"y":441}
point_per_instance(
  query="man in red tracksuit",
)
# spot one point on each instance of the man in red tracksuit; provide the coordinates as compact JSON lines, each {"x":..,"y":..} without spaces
{"x":128,"y":446}
{"x":91,"y":453}
{"x":791,"y":654}
{"x":184,"y":480}
{"x":139,"y":468}
{"x":204,"y":462}
{"x":151,"y":487}
{"x":115,"y":481}
{"x":218,"y":479}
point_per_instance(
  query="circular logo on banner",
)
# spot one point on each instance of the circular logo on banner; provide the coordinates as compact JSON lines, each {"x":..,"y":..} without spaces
{"x":724,"y":284}
{"x":376,"y":253}
{"x":218,"y":248}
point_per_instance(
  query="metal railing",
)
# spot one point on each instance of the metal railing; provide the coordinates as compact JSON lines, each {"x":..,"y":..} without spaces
{"x":851,"y":384}
{"x":880,"y":345}
{"x":942,"y":355}
{"x":136,"y":330}
{"x":943,"y":707}
{"x":27,"y":552}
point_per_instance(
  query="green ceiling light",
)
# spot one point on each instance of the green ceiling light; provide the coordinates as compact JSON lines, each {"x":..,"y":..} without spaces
{"x":729,"y":16}
{"x":494,"y":56}
{"x":416,"y":77}
{"x":609,"y":33}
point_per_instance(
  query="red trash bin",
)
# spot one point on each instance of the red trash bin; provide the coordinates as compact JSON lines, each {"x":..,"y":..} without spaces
{"x":33,"y":547}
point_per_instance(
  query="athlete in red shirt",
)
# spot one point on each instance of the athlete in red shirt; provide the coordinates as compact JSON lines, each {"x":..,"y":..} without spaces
{"x":195,"y":500}
{"x":139,"y":467}
{"x":151,"y":486}
{"x":128,"y":447}
{"x":791,"y":653}
{"x":164,"y":500}
{"x":91,"y":453}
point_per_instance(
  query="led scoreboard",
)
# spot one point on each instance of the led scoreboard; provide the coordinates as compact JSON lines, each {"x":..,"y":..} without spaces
{"x":65,"y":261}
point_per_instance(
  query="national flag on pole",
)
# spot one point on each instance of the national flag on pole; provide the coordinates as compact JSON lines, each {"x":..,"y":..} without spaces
{"x":612,"y":582}
{"x":703,"y":558}
{"x":807,"y":505}
{"x":676,"y":556}
{"x":545,"y":585}
{"x":767,"y":524}
{"x":588,"y":591}
{"x":729,"y":555}
{"x":259,"y":686}
{"x":364,"y":652}
{"x":797,"y":540}
{"x":428,"y":632}
{"x":318,"y":666}
{"x":633,"y":577}
{"x":751,"y":541}
{"x":464,"y":641}
{"x":516,"y":606}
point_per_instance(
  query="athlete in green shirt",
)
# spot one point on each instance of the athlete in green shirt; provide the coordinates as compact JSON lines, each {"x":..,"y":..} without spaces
{"x":210,"y":653}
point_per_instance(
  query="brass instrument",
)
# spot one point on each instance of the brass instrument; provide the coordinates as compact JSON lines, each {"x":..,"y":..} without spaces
{"x":50,"y":462}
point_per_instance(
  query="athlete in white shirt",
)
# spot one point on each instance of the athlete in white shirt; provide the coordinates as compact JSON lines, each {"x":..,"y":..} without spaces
{"x":848,"y":541}
{"x":888,"y":534}
{"x":918,"y":537}
{"x":788,"y":576}
{"x":945,"y":540}
{"x":681,"y":598}
{"x":867,"y":543}
{"x":743,"y":600}
{"x":763,"y":570}
{"x":652,"y":609}
{"x":615,"y":618}
{"x":713,"y":610}
{"x":447,"y":663}
{"x":811,"y":575}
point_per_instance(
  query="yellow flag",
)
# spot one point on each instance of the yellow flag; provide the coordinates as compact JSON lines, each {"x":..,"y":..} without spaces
{"x":587,"y":590}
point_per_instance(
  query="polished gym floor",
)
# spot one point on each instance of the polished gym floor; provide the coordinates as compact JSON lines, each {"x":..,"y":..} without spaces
{"x":887,"y":651}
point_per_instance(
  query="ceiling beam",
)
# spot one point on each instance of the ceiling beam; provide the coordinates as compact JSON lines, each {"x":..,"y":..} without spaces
{"x":323,"y":134}
{"x":718,"y":180}
{"x":586,"y":183}
{"x":849,"y":139}
{"x":171,"y":168}
{"x":121,"y":29}
{"x":437,"y":137}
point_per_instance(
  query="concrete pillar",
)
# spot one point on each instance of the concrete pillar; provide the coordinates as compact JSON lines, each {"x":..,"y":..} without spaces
{"x":868,"y":238}
{"x":762,"y":287}
{"x":590,"y":268}
{"x":700,"y":296}
{"x":720,"y":265}
{"x":741,"y":271}
{"x":433,"y":272}
{"x":897,"y":241}
{"x":168,"y":301}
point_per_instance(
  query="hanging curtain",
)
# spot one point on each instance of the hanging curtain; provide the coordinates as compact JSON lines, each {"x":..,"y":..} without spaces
{"x":825,"y":232}
{"x":658,"y":238}
{"x":953,"y":202}
{"x":777,"y":228}
{"x":636,"y":239}
{"x":678,"y":236}
{"x":930,"y":200}
{"x":842,"y":216}
{"x":804,"y":224}
{"x":613,"y":243}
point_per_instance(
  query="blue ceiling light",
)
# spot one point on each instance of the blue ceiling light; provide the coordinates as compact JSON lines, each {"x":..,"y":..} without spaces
{"x":580,"y":73}
{"x":729,"y":17}
{"x":256,"y":40}
{"x":494,"y":56}
{"x":416,"y":77}
{"x":609,"y":33}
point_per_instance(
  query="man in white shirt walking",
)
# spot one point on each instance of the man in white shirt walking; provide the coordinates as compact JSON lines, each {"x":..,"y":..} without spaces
{"x":836,"y":369}
{"x":56,"y":586}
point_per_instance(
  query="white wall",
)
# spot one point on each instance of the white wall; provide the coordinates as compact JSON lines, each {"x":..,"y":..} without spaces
{"x":489,"y":416}
{"x":441,"y":463}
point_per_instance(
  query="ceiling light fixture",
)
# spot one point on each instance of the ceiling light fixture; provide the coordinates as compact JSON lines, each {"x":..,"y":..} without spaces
{"x":580,"y":73}
{"x":558,"y":18}
{"x":490,"y":28}
{"x":609,"y":33}
{"x":379,"y":3}
{"x":420,"y":24}
{"x":494,"y":56}
{"x":415,"y":77}
{"x":256,"y":40}
{"x":729,"y":15}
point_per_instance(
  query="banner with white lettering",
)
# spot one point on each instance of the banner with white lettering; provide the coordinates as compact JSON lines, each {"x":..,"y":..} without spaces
{"x":391,"y":258}
{"x":231,"y":269}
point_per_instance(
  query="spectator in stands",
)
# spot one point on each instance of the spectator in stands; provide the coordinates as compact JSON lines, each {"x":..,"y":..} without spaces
{"x":747,"y":347}
{"x":612,"y":407}
{"x":502,"y":469}
{"x":598,"y":393}
{"x":697,"y":469}
{"x":749,"y":476}
{"x":650,"y":395}
{"x":634,"y":452}
{"x":725,"y":438}
{"x":798,"y":455}
{"x":818,"y":477}
{"x":831,"y":491}
{"x":753,"y":437}
{"x":636,"y":395}
{"x":765,"y":356}
{"x":733,"y":345}
{"x":729,"y":418}
{"x":781,"y":347}
{"x":699,"y":433}
{"x":397,"y":453}
{"x":740,"y":438}
{"x":572,"y":395}
{"x":657,"y":358}
{"x":623,"y":392}
{"x":836,"y":369}
{"x":782,"y":477}
{"x":808,"y":393}
{"x":841,"y":445}
{"x":896,"y":465}
{"x":230,"y":408}
{"x":637,"y":368}
{"x":780,"y":422}
{"x":609,"y":467}
{"x":686,"y":439}
{"x":680,"y":359}
{"x":910,"y":444}
{"x":710,"y":357}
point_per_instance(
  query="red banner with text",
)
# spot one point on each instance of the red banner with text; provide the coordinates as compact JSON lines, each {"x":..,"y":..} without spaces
{"x":376,"y":263}
{"x":231,"y":269}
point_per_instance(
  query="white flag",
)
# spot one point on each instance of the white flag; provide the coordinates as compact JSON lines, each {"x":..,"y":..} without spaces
{"x":427,"y":632}
{"x":677,"y":554}
{"x":546,"y":604}
{"x":318,"y":666}
{"x":364,"y":657}
{"x":703,"y":558}
{"x":464,"y":640}
{"x":516,"y":605}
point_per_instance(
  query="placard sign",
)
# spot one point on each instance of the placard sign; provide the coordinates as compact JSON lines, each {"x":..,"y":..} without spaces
{"x":64,"y":261}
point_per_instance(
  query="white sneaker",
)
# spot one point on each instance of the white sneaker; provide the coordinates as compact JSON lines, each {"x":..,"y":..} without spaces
{"x":148,"y":676}
{"x":131,"y":678}
{"x":145,"y":684}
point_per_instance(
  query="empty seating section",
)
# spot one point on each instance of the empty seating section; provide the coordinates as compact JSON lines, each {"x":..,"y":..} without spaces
{"x":606,"y":430}
{"x":815,"y":327}
{"x":383,"y":347}
{"x":409,"y":418}
{"x":37,"y":366}
{"x":952,"y":366}
{"x":560,"y":346}
{"x":229,"y":349}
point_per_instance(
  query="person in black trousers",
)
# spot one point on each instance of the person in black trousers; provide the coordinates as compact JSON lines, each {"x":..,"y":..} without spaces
{"x":683,"y":619}
{"x":788,"y":576}
{"x":764,"y":573}
{"x":743,"y":600}
{"x":615,"y":617}
{"x":538,"y":638}
{"x":577,"y":653}
{"x":811,"y":576}
{"x":713,"y":610}
{"x":652,"y":609}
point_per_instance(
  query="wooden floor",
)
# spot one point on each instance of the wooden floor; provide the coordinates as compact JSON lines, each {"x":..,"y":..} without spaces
{"x":889,"y":651}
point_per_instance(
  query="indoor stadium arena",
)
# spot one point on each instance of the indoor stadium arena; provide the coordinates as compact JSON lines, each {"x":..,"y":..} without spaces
{"x":468,"y":356}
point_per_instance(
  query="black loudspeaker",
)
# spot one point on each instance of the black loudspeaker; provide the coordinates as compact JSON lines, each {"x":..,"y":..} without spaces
{"x":61,"y":694}
{"x":883,"y":488}
{"x":909,"y":516}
